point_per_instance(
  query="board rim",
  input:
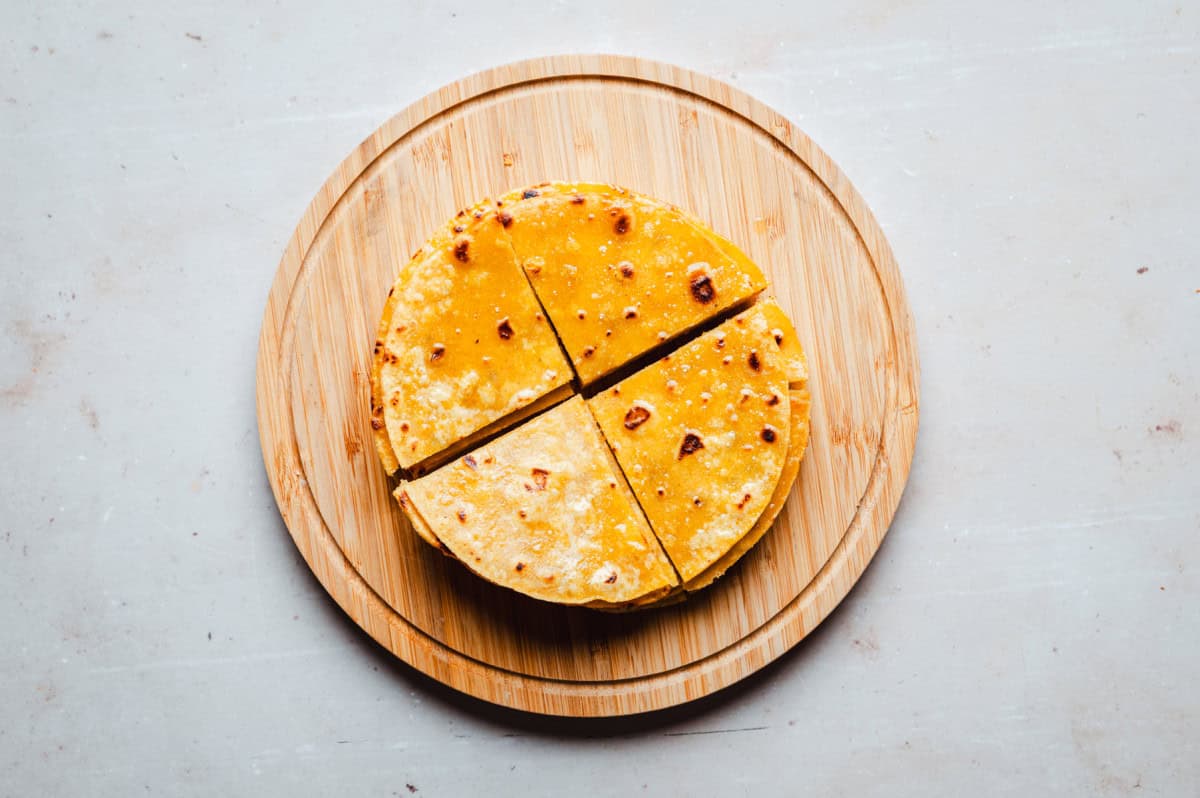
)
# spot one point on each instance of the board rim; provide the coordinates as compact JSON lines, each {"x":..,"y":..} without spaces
{"x":720,"y":669}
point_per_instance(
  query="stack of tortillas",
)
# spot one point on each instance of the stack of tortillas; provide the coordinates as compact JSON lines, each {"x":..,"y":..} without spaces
{"x":587,"y":398}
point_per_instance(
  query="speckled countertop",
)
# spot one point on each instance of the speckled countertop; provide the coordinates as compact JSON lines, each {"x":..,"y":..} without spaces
{"x":1030,"y":625}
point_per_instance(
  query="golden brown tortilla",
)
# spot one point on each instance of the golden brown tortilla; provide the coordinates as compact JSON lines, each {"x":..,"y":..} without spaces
{"x":466,"y":343}
{"x":702,"y":436}
{"x":655,"y":486}
{"x":542,"y":510}
{"x":620,"y":273}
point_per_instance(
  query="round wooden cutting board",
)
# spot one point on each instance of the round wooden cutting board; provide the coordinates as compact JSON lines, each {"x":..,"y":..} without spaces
{"x":669,"y":133}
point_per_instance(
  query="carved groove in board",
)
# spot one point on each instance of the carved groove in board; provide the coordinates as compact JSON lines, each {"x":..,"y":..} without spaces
{"x":612,"y":686}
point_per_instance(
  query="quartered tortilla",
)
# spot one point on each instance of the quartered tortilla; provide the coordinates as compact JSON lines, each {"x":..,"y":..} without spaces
{"x":702,"y":436}
{"x":465,"y":344}
{"x":544,"y":511}
{"x":620,"y":273}
{"x":710,"y":437}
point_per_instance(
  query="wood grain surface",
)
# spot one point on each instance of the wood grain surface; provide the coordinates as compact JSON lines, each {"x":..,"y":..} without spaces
{"x":675,"y":135}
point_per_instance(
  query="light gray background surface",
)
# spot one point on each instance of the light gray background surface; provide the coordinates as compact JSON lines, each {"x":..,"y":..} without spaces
{"x":1030,"y":626}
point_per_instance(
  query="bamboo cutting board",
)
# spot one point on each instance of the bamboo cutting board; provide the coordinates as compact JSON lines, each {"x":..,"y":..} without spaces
{"x":669,"y":133}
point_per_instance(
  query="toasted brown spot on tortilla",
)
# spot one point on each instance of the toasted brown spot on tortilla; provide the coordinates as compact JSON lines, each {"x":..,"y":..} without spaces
{"x":505,"y":218}
{"x":703,"y":290}
{"x":539,"y":477}
{"x":462,"y":516}
{"x":436,"y":352}
{"x":768,"y":434}
{"x":626,"y":268}
{"x":529,"y":193}
{"x":470,"y":463}
{"x":691,"y":443}
{"x":504,"y":329}
{"x":754,"y":361}
{"x":462,"y":251}
{"x":636,"y":417}
{"x":621,"y":227}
